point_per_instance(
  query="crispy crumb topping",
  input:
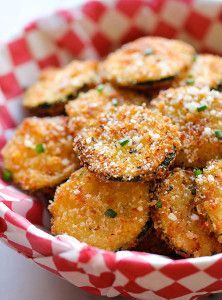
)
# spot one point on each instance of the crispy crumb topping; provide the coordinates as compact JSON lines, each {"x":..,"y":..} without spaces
{"x":102,"y":214}
{"x":40,"y":154}
{"x":177,"y":220}
{"x":133,"y":63}
{"x":129,"y":143}
{"x":198,"y":114}
{"x":85,"y":110}
{"x":209,"y":193}
{"x":205,"y":71}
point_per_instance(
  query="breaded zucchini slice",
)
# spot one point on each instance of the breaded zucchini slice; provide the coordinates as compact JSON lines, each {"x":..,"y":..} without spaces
{"x":107,"y":215}
{"x":176,"y":220}
{"x":205,"y":71}
{"x":197,"y":112}
{"x":209,"y":196}
{"x":130,"y":143}
{"x":56,"y":87}
{"x":147,"y":62}
{"x":85,"y":110}
{"x":40,"y":154}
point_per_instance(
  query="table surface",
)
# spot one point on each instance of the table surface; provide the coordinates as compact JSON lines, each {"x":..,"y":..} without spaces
{"x":20,"y":278}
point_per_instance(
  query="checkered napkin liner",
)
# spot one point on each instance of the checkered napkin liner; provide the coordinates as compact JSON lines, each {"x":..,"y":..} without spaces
{"x":92,"y":31}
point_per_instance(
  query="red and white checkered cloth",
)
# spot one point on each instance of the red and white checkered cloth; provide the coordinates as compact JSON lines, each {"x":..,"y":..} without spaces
{"x":92,"y":31}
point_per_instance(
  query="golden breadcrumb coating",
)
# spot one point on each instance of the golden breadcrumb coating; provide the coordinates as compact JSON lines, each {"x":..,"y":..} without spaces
{"x":176,"y":219}
{"x":56,"y":87}
{"x":205,"y":71}
{"x":209,"y":196}
{"x":147,"y":61}
{"x":130,"y":143}
{"x":107,"y":215}
{"x":40,"y":154}
{"x":85,"y":110}
{"x":197,"y":112}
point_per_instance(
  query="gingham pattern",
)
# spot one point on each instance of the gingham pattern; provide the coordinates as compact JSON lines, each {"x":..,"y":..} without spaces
{"x":92,"y":31}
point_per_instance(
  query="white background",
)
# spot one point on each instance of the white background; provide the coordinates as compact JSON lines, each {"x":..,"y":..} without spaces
{"x":19,"y":277}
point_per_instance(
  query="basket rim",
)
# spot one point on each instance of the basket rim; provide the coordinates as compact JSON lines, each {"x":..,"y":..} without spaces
{"x":67,"y":243}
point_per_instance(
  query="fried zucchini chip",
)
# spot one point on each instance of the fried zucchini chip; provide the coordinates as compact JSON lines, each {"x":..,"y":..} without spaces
{"x":197,"y":112}
{"x":176,"y":220}
{"x":40,"y":154}
{"x":85,"y":110}
{"x":148,"y":62}
{"x":130,"y":143}
{"x":56,"y":87}
{"x":205,"y":71}
{"x":100,"y":213}
{"x":209,"y":196}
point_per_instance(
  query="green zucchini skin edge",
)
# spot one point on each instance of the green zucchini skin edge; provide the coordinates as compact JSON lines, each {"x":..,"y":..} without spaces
{"x":57,"y":107}
{"x":218,"y":87}
{"x":156,"y":82}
